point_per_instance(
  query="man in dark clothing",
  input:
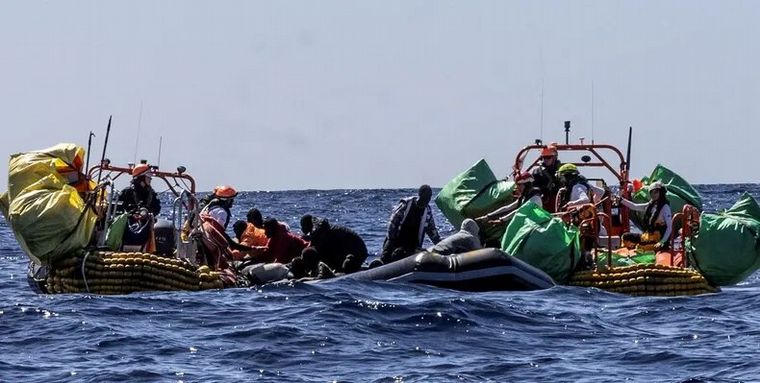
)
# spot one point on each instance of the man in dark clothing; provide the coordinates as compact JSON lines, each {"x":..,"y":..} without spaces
{"x":335,"y":243}
{"x":239,"y":228}
{"x":544,"y":176}
{"x":140,"y":194}
{"x":411,"y":219}
{"x":307,"y":226}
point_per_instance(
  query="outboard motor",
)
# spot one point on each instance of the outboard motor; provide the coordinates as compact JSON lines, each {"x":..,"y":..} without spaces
{"x":163,"y":230}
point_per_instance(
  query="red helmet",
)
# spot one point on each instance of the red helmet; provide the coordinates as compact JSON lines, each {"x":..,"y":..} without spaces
{"x":523,"y":178}
{"x":141,"y":170}
{"x":549,"y":151}
{"x":225,"y":191}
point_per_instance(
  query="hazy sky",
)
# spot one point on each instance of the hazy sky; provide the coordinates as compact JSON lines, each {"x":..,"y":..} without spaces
{"x":354,"y":94}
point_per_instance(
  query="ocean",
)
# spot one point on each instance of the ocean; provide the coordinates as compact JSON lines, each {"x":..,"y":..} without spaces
{"x":350,"y":331}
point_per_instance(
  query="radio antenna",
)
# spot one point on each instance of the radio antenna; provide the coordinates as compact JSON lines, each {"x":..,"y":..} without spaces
{"x":160,"y":142}
{"x":592,"y":112}
{"x":137,"y":139}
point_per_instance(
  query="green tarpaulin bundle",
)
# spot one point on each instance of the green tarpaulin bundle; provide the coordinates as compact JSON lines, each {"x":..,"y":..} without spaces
{"x":680,"y":192}
{"x":727,"y":248}
{"x":474,"y":193}
{"x":537,"y":237}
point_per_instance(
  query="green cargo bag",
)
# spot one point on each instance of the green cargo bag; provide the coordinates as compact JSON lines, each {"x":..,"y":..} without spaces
{"x":537,"y":237}
{"x":474,"y":193}
{"x":727,"y":248}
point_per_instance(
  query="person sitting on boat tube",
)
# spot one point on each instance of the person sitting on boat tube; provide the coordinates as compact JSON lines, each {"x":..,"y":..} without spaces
{"x":545,"y":175}
{"x":657,"y":224}
{"x":466,"y":239}
{"x":525,"y":191}
{"x":576,"y":191}
{"x":410,"y":221}
{"x":139,"y":194}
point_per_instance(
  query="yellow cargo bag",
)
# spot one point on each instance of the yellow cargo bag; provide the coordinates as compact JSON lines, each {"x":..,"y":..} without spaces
{"x":43,"y":205}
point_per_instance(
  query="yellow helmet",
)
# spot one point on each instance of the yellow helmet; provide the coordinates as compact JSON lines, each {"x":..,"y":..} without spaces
{"x":567,"y":169}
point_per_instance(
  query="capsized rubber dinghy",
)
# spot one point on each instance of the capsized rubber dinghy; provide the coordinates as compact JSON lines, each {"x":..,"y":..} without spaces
{"x":479,"y":270}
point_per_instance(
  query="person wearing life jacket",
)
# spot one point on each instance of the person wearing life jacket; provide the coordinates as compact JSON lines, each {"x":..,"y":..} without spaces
{"x":215,"y":217}
{"x":254,"y":234}
{"x":411,"y":219}
{"x":545,"y":175}
{"x":282,"y":245}
{"x":525,"y":191}
{"x":139,"y":194}
{"x":658,"y":219}
{"x":575,"y":190}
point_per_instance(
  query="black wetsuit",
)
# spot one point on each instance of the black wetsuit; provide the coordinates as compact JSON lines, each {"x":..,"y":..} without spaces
{"x":135,"y":197}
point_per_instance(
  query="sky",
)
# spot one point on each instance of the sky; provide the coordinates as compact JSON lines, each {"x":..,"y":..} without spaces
{"x":275,"y":95}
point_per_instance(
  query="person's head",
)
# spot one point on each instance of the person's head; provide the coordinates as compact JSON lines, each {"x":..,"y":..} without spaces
{"x":271,"y":227}
{"x":254,"y":217}
{"x":310,"y":258}
{"x":470,"y":226}
{"x":307,"y":223}
{"x":524,"y":182}
{"x":141,"y":176}
{"x":424,"y":195}
{"x":549,"y":155}
{"x":567,"y":173}
{"x":239,"y":227}
{"x":225,"y":194}
{"x":657,"y":191}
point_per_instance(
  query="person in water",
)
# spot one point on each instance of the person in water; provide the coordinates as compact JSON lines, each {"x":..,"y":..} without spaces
{"x":282,"y":246}
{"x":411,"y":219}
{"x":545,"y":175}
{"x":658,"y":219}
{"x":525,"y":191}
{"x":309,"y":267}
{"x":339,"y":247}
{"x":307,"y":226}
{"x":464,"y":240}
{"x":139,"y":194}
{"x":576,"y":190}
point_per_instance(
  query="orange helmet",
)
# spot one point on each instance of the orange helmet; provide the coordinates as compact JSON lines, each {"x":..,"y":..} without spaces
{"x":550,"y":150}
{"x":141,"y":170}
{"x":225,"y":191}
{"x":523,"y":178}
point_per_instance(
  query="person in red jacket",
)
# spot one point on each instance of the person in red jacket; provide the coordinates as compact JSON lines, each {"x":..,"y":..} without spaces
{"x":282,"y":246}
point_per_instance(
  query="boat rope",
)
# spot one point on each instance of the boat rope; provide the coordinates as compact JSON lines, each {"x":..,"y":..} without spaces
{"x":84,"y":277}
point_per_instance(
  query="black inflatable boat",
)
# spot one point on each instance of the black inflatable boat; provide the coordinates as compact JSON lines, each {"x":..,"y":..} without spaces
{"x":480,"y":270}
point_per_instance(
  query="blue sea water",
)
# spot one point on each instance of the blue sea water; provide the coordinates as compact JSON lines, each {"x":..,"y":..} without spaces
{"x":375,"y":332}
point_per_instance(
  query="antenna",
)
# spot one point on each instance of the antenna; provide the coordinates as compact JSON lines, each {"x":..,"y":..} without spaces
{"x":160,"y":142}
{"x":542,"y":109}
{"x":592,"y":112}
{"x":137,"y":139}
